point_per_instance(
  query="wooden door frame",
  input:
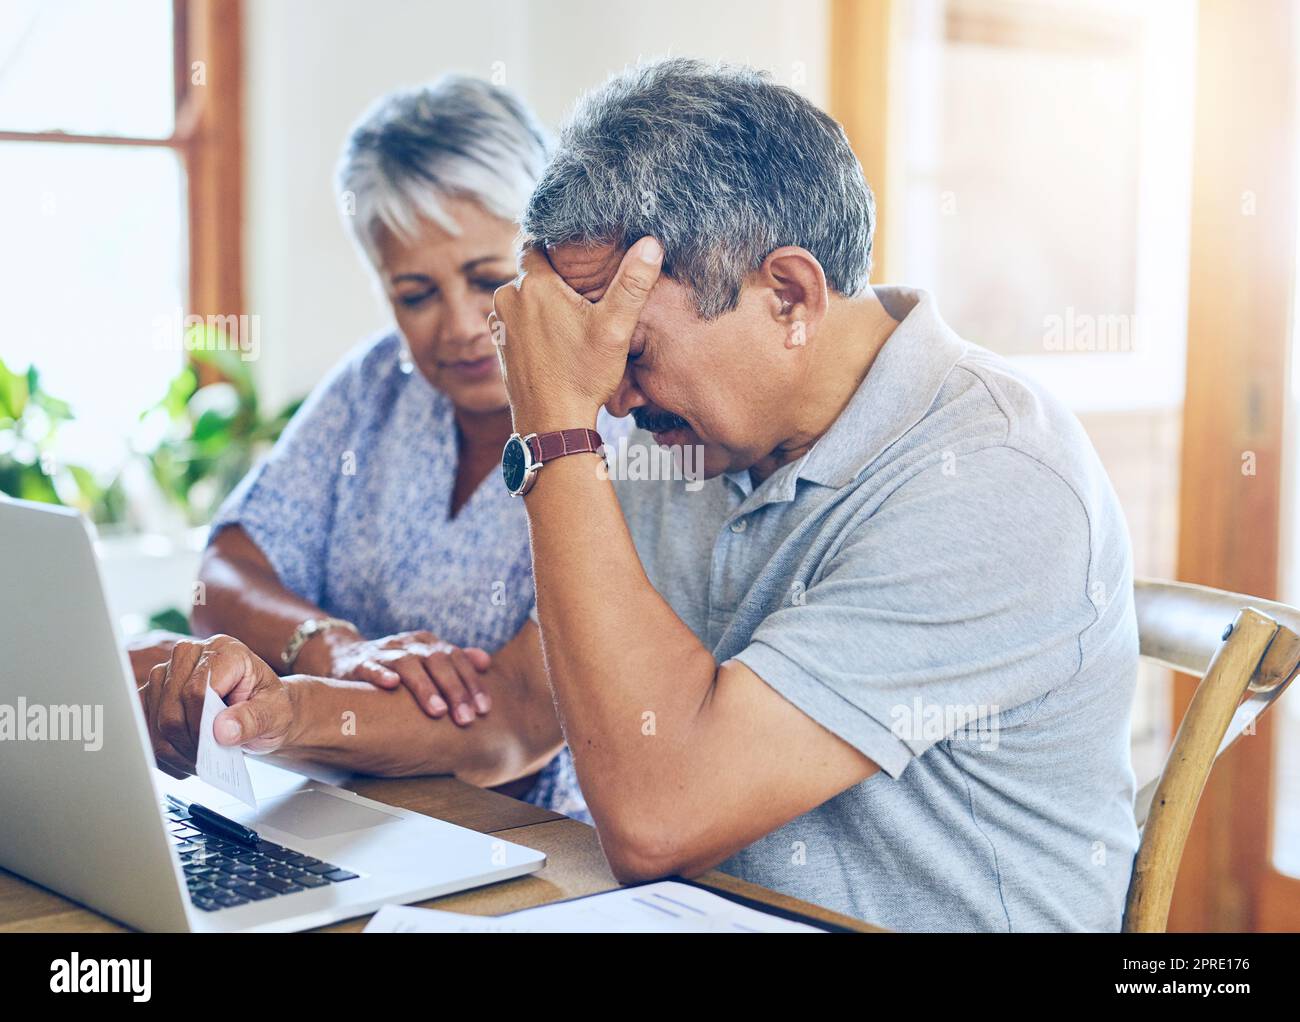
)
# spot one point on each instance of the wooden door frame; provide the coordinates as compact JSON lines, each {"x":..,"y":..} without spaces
{"x":1240,"y":301}
{"x":863,"y":44}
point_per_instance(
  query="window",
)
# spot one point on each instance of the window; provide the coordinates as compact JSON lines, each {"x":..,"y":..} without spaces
{"x":119,"y":164}
{"x":1043,"y":196}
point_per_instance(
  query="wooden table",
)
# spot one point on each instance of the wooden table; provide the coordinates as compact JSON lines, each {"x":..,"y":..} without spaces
{"x":574,"y":863}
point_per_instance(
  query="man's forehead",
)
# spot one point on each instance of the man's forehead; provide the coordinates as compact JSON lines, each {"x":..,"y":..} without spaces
{"x":587,"y":269}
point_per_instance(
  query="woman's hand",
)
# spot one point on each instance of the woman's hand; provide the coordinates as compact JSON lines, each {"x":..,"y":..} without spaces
{"x":439,"y":675}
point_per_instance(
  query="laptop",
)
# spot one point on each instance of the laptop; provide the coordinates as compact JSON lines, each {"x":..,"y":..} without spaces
{"x":86,"y":812}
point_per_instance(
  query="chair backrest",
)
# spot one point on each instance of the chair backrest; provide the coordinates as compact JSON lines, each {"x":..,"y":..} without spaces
{"x":1237,"y":645}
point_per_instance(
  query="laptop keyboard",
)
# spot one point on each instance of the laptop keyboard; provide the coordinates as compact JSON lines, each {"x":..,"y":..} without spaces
{"x":224,"y":874}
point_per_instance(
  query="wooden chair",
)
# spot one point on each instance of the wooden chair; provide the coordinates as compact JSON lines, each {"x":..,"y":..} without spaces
{"x":1239,"y":646}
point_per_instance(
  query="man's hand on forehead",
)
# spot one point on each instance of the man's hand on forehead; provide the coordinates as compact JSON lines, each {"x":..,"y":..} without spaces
{"x":566,"y":324}
{"x":587,"y":269}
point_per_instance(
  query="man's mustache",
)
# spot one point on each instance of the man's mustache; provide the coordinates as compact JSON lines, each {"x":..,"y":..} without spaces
{"x":656,"y":420}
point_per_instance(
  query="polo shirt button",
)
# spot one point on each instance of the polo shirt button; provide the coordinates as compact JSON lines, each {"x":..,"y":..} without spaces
{"x":738,"y":525}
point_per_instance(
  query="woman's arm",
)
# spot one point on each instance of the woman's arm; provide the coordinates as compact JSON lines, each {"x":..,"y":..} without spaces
{"x":351,"y":724}
{"x":520,"y":737}
{"x":244,"y":597}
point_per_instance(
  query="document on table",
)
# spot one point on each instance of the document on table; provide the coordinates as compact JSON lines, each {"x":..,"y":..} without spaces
{"x":664,"y":907}
{"x":405,"y":919}
{"x":219,"y":765}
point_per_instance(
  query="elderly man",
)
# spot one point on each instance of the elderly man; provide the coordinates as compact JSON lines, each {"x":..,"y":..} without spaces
{"x":883,"y":658}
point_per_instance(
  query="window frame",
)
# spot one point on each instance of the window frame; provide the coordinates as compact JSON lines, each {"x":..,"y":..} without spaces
{"x":207,"y":134}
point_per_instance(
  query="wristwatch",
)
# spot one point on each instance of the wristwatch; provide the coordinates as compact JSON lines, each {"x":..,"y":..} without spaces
{"x":310,"y":627}
{"x":524,"y":455}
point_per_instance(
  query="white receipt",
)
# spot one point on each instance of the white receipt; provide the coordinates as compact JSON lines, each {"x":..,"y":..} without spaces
{"x":664,"y":907}
{"x":222,"y":766}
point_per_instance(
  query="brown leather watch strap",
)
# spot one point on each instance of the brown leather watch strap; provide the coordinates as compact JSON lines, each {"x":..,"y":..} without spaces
{"x":546,"y":446}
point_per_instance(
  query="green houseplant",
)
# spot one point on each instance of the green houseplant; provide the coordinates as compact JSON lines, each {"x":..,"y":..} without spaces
{"x":30,"y":418}
{"x":209,"y":437}
{"x":215,"y":432}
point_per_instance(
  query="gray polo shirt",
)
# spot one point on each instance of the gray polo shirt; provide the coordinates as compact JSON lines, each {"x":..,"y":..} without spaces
{"x":944,"y":581}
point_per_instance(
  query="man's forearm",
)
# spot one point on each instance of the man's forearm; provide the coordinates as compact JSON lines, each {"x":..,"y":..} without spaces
{"x":376,"y":731}
{"x":615,"y":650}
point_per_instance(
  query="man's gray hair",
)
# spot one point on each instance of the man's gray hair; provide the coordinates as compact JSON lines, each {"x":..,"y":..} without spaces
{"x":719,"y":163}
{"x":458,"y":137}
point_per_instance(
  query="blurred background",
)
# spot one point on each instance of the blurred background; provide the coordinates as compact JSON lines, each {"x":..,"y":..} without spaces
{"x":1105,"y":192}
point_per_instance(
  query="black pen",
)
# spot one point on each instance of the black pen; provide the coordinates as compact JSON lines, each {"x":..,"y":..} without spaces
{"x":204,"y":819}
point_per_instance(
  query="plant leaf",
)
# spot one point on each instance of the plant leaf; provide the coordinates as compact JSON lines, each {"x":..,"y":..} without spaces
{"x":14,"y":389}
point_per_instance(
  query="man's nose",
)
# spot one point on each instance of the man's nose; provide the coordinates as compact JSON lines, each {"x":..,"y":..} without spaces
{"x":627,"y":397}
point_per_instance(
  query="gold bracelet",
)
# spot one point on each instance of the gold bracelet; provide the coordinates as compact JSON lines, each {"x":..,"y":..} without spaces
{"x":305,"y":631}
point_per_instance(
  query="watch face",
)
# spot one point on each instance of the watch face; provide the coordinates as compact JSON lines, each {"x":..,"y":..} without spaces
{"x":514,"y":463}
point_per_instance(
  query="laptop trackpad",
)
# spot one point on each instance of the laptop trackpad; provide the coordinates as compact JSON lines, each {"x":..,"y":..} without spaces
{"x":313,"y":814}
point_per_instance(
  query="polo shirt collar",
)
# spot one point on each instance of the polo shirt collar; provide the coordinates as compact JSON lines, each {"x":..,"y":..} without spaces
{"x":898,"y":390}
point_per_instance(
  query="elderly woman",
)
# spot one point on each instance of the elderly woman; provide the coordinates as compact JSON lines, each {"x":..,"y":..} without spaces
{"x":377,"y":542}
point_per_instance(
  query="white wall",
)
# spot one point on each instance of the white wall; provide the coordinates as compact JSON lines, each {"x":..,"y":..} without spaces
{"x":312,"y":66}
{"x":574,"y":45}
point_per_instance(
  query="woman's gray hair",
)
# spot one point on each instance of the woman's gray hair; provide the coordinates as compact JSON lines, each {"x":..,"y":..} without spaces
{"x":719,"y":163}
{"x":458,"y":137}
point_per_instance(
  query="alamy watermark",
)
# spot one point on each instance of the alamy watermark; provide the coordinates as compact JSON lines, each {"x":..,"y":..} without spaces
{"x":242,"y":334}
{"x":934,"y":722}
{"x":77,"y":975}
{"x":641,"y":462}
{"x":1085,"y":331}
{"x":38,"y":722}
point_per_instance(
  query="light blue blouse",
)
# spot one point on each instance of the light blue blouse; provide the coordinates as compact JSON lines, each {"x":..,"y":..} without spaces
{"x":352,"y":509}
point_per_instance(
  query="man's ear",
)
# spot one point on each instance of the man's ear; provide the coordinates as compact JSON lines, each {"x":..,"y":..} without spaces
{"x":797,"y":285}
